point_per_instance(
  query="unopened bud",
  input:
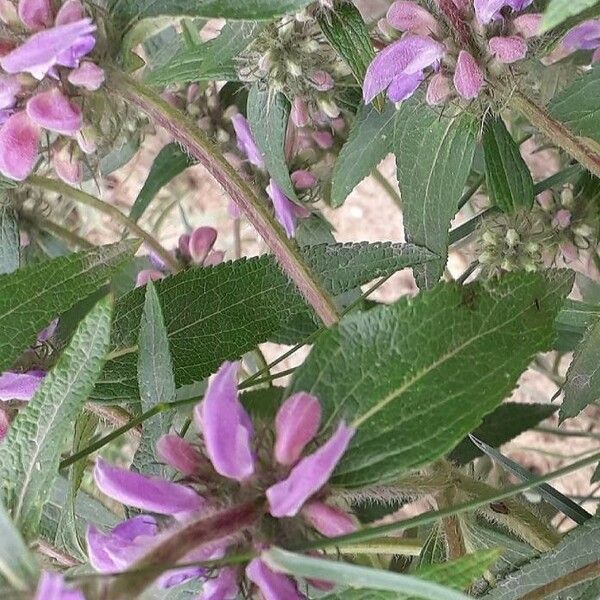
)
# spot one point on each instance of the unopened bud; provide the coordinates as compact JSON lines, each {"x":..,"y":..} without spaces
{"x":330,"y":108}
{"x":546,"y":200}
{"x":468,"y":77}
{"x":328,"y":520}
{"x":528,"y":25}
{"x":562,"y":219}
{"x":179,"y":454}
{"x":294,"y":69}
{"x":583,"y":230}
{"x":322,"y":80}
{"x":507,"y":265}
{"x":512,"y":238}
{"x":8,"y":13}
{"x":324,"y":139}
{"x":300,"y":116}
{"x":438,"y":90}
{"x":489,"y":238}
{"x":532,"y":247}
{"x":567,"y":197}
{"x":486,"y":258}
{"x":201,"y":242}
{"x":303,"y":179}
{"x":508,"y":49}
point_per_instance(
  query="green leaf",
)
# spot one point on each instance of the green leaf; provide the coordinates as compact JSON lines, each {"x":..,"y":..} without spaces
{"x":583,"y":377}
{"x":505,"y":423}
{"x":433,"y":156}
{"x":33,"y":296}
{"x":348,"y":34}
{"x":375,"y":584}
{"x":415,"y":377}
{"x":30,"y":455}
{"x":578,"y":107}
{"x":561,"y":10}
{"x":578,"y":549}
{"x":17,"y":565}
{"x":214,"y":60}
{"x":369,"y":142}
{"x":125,"y":11}
{"x":268,"y":115}
{"x":10,"y":246}
{"x":508,"y":179}
{"x":155,"y":381}
{"x":219,"y":313}
{"x":572,"y":323}
{"x":170,"y":162}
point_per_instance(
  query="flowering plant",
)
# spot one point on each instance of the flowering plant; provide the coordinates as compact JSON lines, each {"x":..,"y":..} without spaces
{"x":221,"y":391}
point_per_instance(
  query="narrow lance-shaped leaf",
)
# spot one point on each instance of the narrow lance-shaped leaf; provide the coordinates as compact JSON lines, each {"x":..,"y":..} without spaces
{"x":9,"y":240}
{"x":155,"y":381}
{"x":508,"y":178}
{"x":415,"y":377}
{"x":33,"y":296}
{"x":30,"y":455}
{"x":268,"y":115}
{"x":434,"y":156}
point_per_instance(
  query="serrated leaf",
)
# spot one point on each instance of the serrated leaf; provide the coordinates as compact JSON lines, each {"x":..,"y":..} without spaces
{"x":10,"y":246}
{"x":220,"y":313}
{"x":155,"y":382}
{"x":508,"y":179}
{"x":33,"y":296}
{"x":30,"y":455}
{"x":433,"y":157}
{"x":561,"y":10}
{"x":505,"y":423}
{"x":17,"y":564}
{"x":369,"y":142}
{"x":126,"y":11}
{"x":170,"y":162}
{"x":578,"y":107}
{"x":268,"y":115}
{"x":582,"y":386}
{"x":415,"y":377}
{"x":213,"y":60}
{"x":578,"y":549}
{"x":375,"y":584}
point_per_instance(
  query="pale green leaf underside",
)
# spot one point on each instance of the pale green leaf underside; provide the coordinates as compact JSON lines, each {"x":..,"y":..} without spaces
{"x":9,"y":240}
{"x":560,"y":10}
{"x":417,"y":376}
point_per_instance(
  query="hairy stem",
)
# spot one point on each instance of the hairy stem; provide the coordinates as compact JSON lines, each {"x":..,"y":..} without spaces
{"x":198,"y":145}
{"x":557,"y":132}
{"x":108,"y":209}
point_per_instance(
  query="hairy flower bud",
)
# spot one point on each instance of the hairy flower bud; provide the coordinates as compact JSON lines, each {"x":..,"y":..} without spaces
{"x":468,"y":77}
{"x":438,"y":90}
{"x":508,"y":49}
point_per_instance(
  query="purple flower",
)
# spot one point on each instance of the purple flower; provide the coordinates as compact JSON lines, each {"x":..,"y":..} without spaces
{"x":272,"y":585}
{"x":245,"y":141}
{"x":585,"y":36}
{"x":51,"y":586}
{"x":20,"y":386}
{"x":222,"y":587}
{"x":489,"y":10}
{"x":329,"y":521}
{"x":179,"y":454}
{"x":53,"y":111}
{"x":19,"y":141}
{"x":399,"y":67}
{"x":286,"y":211}
{"x":468,"y":77}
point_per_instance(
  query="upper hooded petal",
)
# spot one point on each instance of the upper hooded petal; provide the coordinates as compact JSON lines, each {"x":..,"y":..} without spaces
{"x":468,"y":77}
{"x":586,"y":36}
{"x":20,"y":386}
{"x":410,"y":54}
{"x":284,"y":208}
{"x":226,"y":426}
{"x":272,"y":585}
{"x":70,"y":12}
{"x":55,"y":112}
{"x":179,"y":454}
{"x":88,"y":75}
{"x":404,"y":86}
{"x":287,"y":497}
{"x":36,"y":14}
{"x":409,"y":16}
{"x":19,"y":140}
{"x":245,"y":141}
{"x":508,"y":49}
{"x":147,"y":493}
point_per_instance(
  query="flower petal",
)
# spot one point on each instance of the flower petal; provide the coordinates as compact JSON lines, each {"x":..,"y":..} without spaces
{"x":410,"y":54}
{"x":284,"y":208}
{"x":508,"y":49}
{"x":586,"y":36}
{"x":201,"y":243}
{"x":222,"y":587}
{"x":488,"y":10}
{"x":328,"y":520}
{"x":19,"y":139}
{"x":9,"y":88}
{"x":146,"y":275}
{"x":179,"y":454}
{"x":287,"y":497}
{"x":226,"y":426}
{"x":303,"y":179}
{"x":147,"y":493}
{"x":528,"y":25}
{"x":88,"y":75}
{"x":51,"y":586}
{"x":272,"y":585}
{"x":468,"y":78}
{"x":245,"y":141}
{"x":438,"y":90}
{"x":4,"y":423}
{"x":404,"y":86}
{"x":70,"y":12}
{"x":20,"y":386}
{"x":296,"y":424}
{"x":67,"y":165}
{"x":36,"y":14}
{"x":53,"y":111}
{"x":409,"y":16}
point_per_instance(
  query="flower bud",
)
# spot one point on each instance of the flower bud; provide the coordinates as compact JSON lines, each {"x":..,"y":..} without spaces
{"x":508,"y":49}
{"x":486,"y":258}
{"x":216,"y":257}
{"x":409,"y":16}
{"x":201,"y":242}
{"x":4,"y":423}
{"x":183,"y":244}
{"x":566,"y":197}
{"x":328,"y":520}
{"x":468,"y":77}
{"x":562,"y":219}
{"x":88,"y":75}
{"x":324,"y":139}
{"x":583,"y":230}
{"x":67,"y":165}
{"x":330,"y":108}
{"x":296,"y":424}
{"x":322,"y":80}
{"x":303,"y":179}
{"x":36,"y":14}
{"x":569,"y":250}
{"x":489,"y":238}
{"x":507,"y":265}
{"x":300,"y":116}
{"x":528,"y":25}
{"x":294,"y":69}
{"x":512,"y":238}
{"x":532,"y":247}
{"x":179,"y":454}
{"x":143,"y":277}
{"x":546,"y":200}
{"x":438,"y":90}
{"x":8,"y":13}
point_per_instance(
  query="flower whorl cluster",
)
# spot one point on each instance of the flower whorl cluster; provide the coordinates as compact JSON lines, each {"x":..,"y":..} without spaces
{"x":45,"y":77}
{"x":227,"y":466}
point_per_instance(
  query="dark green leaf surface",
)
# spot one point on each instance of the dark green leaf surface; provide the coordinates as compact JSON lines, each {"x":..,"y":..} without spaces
{"x":170,"y":162}
{"x":369,"y":142}
{"x":433,"y":156}
{"x":505,"y":423}
{"x":415,"y":377}
{"x":33,"y":296}
{"x":217,"y":314}
{"x":30,"y":455}
{"x":10,"y":253}
{"x":578,"y":107}
{"x":214,"y":60}
{"x":583,"y":377}
{"x":577,"y":550}
{"x":155,"y":382}
{"x":268,"y":115}
{"x":558,"y":11}
{"x":509,"y":181}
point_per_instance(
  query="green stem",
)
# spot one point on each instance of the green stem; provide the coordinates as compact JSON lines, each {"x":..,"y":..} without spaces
{"x":557,"y":132}
{"x":199,"y":146}
{"x":389,"y":189}
{"x":568,"y":433}
{"x":108,"y":209}
{"x":71,"y":238}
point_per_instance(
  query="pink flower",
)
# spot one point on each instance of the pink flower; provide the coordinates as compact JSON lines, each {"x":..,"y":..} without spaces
{"x":489,"y":10}
{"x":508,"y":49}
{"x":88,"y":75}
{"x":409,"y":16}
{"x":179,"y":454}
{"x":245,"y":141}
{"x":438,"y":90}
{"x":19,"y":140}
{"x":468,"y":78}
{"x":52,"y":586}
{"x":272,"y":585}
{"x":53,"y":111}
{"x":585,"y":36}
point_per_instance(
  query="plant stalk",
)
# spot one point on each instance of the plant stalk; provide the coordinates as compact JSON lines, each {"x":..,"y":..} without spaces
{"x":199,"y":146}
